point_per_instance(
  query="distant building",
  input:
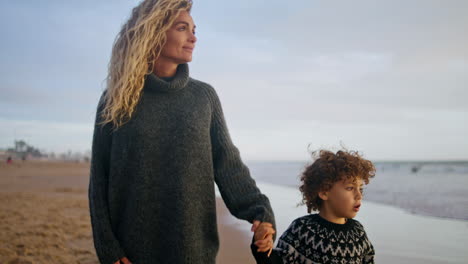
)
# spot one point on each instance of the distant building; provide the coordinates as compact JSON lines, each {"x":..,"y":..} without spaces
{"x":4,"y":154}
{"x":21,"y":151}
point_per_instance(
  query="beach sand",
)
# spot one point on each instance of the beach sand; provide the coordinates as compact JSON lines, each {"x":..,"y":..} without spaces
{"x":44,"y":217}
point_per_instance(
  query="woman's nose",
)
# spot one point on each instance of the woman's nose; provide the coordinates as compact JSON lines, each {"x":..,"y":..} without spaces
{"x":193,"y":38}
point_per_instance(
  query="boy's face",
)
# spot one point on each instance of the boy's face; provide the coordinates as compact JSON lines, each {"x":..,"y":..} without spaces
{"x":344,"y":198}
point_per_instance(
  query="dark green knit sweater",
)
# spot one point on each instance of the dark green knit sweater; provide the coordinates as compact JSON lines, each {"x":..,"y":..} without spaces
{"x":151,"y":191}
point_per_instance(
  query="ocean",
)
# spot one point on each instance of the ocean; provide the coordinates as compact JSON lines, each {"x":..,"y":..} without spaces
{"x":430,"y":188}
{"x":413,"y":212}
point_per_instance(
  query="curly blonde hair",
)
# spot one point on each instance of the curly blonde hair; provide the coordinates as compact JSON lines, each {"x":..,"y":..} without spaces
{"x":329,"y":168}
{"x":136,"y":47}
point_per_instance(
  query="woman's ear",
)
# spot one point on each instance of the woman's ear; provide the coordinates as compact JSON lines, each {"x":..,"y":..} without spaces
{"x":323,"y":195}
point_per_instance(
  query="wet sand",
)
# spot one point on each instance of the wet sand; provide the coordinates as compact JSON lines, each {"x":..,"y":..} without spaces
{"x":44,"y":217}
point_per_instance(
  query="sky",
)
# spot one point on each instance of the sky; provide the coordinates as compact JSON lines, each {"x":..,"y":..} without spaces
{"x":386,"y":78}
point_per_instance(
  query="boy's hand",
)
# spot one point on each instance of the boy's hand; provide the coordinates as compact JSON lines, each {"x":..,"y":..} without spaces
{"x":263,"y":236}
{"x":123,"y":260}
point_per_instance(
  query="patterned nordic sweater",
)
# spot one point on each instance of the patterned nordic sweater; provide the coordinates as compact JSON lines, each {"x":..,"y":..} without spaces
{"x":152,"y":183}
{"x":313,"y":240}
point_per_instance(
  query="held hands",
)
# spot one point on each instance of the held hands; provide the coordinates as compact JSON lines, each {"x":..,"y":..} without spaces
{"x":263,"y":236}
{"x":123,"y":260}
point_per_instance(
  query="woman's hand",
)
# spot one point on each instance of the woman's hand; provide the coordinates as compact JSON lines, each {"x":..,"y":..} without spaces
{"x":263,"y":236}
{"x":123,"y":260}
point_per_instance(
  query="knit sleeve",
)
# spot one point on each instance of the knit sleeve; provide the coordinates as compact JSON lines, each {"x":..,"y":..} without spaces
{"x":370,"y":253}
{"x":263,"y":258}
{"x":287,"y":243}
{"x":107,"y":247}
{"x":238,"y":190}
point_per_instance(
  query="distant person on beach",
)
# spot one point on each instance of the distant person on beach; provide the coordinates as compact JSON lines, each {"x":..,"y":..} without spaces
{"x":9,"y":160}
{"x":160,"y":144}
{"x":333,"y":186}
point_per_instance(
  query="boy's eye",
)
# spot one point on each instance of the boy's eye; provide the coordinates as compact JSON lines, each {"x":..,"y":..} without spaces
{"x":350,"y":188}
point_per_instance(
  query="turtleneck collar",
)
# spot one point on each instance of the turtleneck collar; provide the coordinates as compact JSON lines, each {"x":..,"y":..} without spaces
{"x":334,"y":226}
{"x":178,"y":82}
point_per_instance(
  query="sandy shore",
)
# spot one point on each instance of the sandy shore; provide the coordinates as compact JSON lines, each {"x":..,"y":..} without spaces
{"x":44,"y":217}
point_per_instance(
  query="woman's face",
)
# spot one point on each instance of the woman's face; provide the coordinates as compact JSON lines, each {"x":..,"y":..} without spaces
{"x":180,"y":41}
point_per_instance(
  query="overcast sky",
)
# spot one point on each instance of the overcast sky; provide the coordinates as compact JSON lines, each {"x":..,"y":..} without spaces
{"x":388,"y":78}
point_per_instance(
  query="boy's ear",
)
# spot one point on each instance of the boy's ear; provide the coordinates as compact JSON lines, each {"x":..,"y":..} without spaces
{"x":323,"y":195}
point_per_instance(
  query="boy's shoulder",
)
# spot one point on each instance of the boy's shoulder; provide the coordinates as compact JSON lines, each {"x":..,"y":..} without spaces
{"x":313,"y":231}
{"x":310,"y":219}
{"x":300,"y":231}
{"x":358,"y":228}
{"x":303,"y":224}
{"x":306,"y":219}
{"x":315,"y":223}
{"x":356,"y":223}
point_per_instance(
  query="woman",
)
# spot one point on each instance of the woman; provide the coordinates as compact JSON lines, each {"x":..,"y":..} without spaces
{"x":160,"y":143}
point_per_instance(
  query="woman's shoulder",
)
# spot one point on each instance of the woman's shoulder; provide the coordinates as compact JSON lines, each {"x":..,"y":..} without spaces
{"x":206,"y":89}
{"x":201,"y":85}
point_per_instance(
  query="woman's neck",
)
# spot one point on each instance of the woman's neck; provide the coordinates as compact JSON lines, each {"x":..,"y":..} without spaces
{"x":164,"y":68}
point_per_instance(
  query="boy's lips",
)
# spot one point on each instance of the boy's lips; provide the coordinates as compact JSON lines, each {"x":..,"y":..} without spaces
{"x":356,"y":207}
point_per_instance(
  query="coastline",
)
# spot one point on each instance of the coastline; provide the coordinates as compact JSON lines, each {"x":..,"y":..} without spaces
{"x":44,"y":218}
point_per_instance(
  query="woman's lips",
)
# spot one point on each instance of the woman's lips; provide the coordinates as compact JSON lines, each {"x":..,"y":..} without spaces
{"x":189,"y":49}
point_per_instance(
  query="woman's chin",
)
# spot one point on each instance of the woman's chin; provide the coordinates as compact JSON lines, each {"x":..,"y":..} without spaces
{"x":185,"y":60}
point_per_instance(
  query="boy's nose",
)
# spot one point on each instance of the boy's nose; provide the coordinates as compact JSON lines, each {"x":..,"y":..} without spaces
{"x":358,"y":195}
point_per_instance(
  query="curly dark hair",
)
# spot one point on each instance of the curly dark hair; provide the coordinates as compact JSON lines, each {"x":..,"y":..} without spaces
{"x":329,"y":168}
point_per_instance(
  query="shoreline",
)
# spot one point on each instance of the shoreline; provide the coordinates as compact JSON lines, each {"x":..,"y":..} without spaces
{"x":395,"y":234}
{"x":84,"y":169}
{"x":44,"y":218}
{"x":379,"y":202}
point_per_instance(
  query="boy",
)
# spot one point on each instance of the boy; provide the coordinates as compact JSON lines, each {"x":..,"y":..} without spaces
{"x":333,"y":186}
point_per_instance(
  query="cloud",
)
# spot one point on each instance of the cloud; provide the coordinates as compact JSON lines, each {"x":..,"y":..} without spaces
{"x":386,"y":77}
{"x":424,"y":135}
{"x":54,"y":57}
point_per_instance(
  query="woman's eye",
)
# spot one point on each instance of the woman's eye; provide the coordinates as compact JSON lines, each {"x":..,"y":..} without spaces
{"x":181,"y":28}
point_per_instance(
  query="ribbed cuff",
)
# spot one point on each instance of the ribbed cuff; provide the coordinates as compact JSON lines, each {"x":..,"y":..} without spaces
{"x":109,"y":256}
